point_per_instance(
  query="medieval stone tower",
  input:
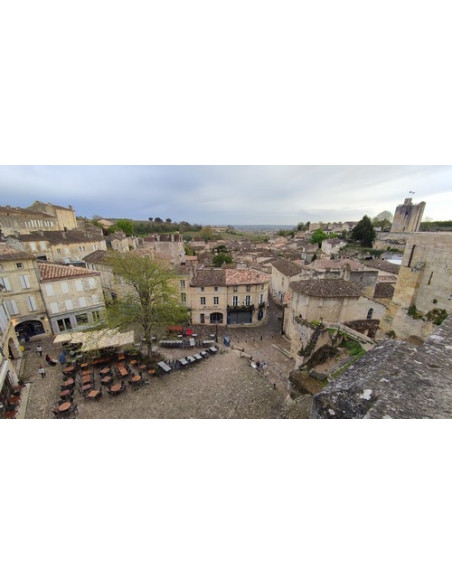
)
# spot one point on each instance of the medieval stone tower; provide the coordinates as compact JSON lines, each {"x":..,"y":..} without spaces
{"x":407,"y":217}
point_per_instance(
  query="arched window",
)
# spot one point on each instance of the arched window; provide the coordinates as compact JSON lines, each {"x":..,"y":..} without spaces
{"x":370,"y":313}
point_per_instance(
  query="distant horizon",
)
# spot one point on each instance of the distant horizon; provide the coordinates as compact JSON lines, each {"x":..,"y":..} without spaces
{"x":231,"y":195}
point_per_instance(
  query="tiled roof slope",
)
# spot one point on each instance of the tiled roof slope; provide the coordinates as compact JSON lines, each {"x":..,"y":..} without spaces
{"x":338,"y":264}
{"x":96,"y":256}
{"x":60,"y":272}
{"x":287,"y":268}
{"x":383,"y":265}
{"x":71,"y":236}
{"x":334,"y":288}
{"x":384,"y":290}
{"x":9,"y":253}
{"x":19,"y":211}
{"x":229,"y":277}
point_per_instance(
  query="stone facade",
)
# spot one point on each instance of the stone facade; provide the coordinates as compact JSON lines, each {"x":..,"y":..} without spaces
{"x":394,"y":380}
{"x":407,"y":217}
{"x":22,"y":297}
{"x":9,"y":356}
{"x":424,"y":280}
{"x":14,"y":220}
{"x":61,"y":247}
{"x":229,"y":296}
{"x":283,"y":273}
{"x":65,"y":216}
{"x":73,"y":296}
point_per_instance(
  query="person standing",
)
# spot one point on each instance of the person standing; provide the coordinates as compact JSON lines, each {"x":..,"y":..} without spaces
{"x":39,"y":350}
{"x":42,"y":371}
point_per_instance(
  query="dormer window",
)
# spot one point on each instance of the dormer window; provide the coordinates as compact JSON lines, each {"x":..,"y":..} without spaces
{"x":19,"y":265}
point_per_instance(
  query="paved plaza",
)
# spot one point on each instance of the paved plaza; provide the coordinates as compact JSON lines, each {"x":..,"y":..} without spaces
{"x":222,"y":386}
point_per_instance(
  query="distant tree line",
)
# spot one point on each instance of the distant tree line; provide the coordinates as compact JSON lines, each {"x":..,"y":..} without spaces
{"x":436,"y":226}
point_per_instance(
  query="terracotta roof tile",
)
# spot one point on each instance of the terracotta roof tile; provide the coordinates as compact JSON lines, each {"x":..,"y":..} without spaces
{"x":328,"y":288}
{"x":60,"y":272}
{"x":287,"y":268}
{"x":9,"y":253}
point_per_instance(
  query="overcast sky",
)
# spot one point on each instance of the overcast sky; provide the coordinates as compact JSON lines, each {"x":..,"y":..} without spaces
{"x":230,"y":195}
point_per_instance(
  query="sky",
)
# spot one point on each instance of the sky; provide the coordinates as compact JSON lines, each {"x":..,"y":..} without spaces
{"x":231,"y":195}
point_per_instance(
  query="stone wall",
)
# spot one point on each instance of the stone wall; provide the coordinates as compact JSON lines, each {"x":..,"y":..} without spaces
{"x":407,"y":217}
{"x":394,"y":380}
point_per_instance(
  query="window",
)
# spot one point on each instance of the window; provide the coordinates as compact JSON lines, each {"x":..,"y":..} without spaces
{"x":11,"y":307}
{"x":411,"y":256}
{"x":216,"y":300}
{"x":202,"y":318}
{"x":202,"y":289}
{"x":78,"y":285}
{"x":69,"y":305}
{"x":216,"y":288}
{"x":203,"y":299}
{"x":42,"y":245}
{"x":182,"y":283}
{"x":370,"y":313}
{"x":262,"y":286}
{"x":5,"y":283}
{"x":64,"y":324}
{"x":33,"y":246}
{"x":248,"y":288}
{"x":81,"y":319}
{"x":92,"y":283}
{"x":31,"y":303}
{"x":24,"y":281}
{"x":58,"y":250}
{"x":235,"y":301}
{"x":19,"y":265}
{"x":95,"y":299}
{"x":96,"y":315}
{"x":54,"y":307}
{"x":235,"y":289}
{"x":82,"y":302}
{"x":64,"y":287}
{"x":261,"y":298}
{"x":49,"y":290}
{"x":248,"y":300}
{"x":183,"y":297}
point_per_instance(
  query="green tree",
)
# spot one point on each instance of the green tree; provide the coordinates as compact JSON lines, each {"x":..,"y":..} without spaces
{"x":125,"y":225}
{"x":207,"y":233}
{"x":318,"y":236}
{"x":221,"y":258}
{"x":150,"y":299}
{"x":363,"y":232}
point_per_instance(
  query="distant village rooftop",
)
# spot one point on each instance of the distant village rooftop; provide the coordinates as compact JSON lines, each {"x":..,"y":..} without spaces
{"x":9,"y":253}
{"x":334,"y":288}
{"x":60,"y":272}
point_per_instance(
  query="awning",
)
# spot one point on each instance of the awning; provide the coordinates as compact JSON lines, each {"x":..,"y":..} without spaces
{"x":96,"y":340}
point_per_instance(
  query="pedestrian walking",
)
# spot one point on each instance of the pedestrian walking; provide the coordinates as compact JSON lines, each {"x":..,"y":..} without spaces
{"x":39,"y":350}
{"x":42,"y":371}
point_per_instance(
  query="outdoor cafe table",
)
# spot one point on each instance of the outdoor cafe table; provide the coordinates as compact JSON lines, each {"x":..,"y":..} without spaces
{"x":69,"y":369}
{"x":166,"y":368}
{"x":191,"y":359}
{"x":93,"y":394}
{"x":105,"y":371}
{"x":183,"y":361}
{"x":69,"y":383}
{"x":197,"y":357}
{"x":64,"y":407}
{"x":123,"y":371}
{"x":213,"y":349}
{"x":86,"y":387}
{"x":204,"y":354}
{"x":133,"y":362}
{"x":136,"y":379}
{"x":209,"y":342}
{"x":106,"y":380}
{"x":65,"y":393}
{"x":116,"y":388}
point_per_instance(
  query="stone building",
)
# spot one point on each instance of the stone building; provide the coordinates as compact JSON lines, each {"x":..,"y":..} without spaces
{"x":228,"y":296}
{"x":119,"y":241}
{"x":60,"y":247}
{"x":407,"y":217}
{"x":331,"y":247}
{"x":283,"y":273}
{"x":424,"y":282}
{"x":73,"y":296}
{"x":20,"y":281}
{"x":65,"y":216}
{"x":10,"y":357}
{"x":394,"y":380}
{"x":345,"y":269}
{"x":15,"y":220}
